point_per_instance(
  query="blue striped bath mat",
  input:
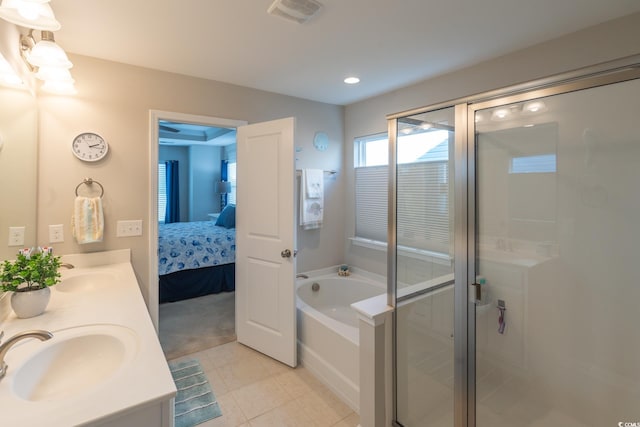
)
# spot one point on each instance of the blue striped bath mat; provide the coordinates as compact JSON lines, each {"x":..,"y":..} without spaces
{"x":195,"y":401}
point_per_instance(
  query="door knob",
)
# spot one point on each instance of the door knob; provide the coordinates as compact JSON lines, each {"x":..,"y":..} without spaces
{"x":286,"y":253}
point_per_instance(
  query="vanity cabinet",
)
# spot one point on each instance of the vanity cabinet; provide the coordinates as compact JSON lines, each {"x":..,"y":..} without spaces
{"x":103,"y":366}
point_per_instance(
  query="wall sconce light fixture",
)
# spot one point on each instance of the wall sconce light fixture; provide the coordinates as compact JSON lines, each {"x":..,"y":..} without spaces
{"x":48,"y":61}
{"x":36,"y":14}
{"x":44,"y":58}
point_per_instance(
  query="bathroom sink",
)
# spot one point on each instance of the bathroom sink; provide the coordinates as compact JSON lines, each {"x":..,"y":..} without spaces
{"x":74,"y":361}
{"x":87,"y":281}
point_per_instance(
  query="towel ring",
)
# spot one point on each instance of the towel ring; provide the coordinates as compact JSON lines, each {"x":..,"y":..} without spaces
{"x":89,"y":181}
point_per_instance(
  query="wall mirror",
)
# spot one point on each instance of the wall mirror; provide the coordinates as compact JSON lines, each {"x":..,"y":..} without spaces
{"x":18,"y":167}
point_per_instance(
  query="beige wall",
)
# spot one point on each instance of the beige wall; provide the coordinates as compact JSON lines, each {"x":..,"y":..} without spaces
{"x":114,"y":100}
{"x":612,"y":40}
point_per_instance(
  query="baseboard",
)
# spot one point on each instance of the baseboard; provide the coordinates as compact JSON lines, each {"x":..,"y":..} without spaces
{"x":340,"y":385}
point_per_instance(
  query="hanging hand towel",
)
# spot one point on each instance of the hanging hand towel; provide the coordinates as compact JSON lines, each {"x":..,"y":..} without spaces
{"x":311,"y":198}
{"x":87,"y":223}
{"x":314,"y":180}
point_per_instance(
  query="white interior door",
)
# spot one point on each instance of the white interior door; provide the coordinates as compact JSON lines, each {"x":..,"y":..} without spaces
{"x":265,"y":233}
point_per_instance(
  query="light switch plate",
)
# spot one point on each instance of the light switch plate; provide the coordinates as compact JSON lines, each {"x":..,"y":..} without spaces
{"x":16,"y":236}
{"x":56,"y":233}
{"x":129,"y":228}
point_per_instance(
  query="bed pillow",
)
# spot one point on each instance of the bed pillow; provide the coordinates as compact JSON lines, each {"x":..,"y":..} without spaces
{"x":227,"y":217}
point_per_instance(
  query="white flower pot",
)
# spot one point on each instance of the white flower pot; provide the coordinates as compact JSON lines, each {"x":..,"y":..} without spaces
{"x":31,"y":303}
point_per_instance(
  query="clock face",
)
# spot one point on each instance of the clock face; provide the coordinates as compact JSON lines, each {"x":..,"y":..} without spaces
{"x":89,"y":147}
{"x":321,"y":141}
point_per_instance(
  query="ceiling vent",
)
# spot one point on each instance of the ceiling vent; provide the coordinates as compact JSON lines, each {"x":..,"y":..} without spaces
{"x":299,"y":11}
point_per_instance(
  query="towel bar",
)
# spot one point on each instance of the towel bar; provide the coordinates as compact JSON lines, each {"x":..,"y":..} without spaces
{"x":326,"y":172}
{"x":90,"y":181}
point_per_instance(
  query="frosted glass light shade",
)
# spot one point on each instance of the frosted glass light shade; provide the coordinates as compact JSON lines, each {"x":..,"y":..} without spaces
{"x":8,"y":76}
{"x":59,"y":87}
{"x":54,"y":73}
{"x":48,"y":53}
{"x":36,"y":14}
{"x":12,"y":80}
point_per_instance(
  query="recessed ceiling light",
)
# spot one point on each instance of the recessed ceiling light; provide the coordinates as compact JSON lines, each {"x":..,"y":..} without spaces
{"x":501,"y":114}
{"x":534,"y":107}
{"x":352,"y":80}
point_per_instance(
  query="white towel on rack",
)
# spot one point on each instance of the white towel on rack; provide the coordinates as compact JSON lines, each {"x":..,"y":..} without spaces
{"x":87,"y":222}
{"x":314,"y":180}
{"x":311,"y":198}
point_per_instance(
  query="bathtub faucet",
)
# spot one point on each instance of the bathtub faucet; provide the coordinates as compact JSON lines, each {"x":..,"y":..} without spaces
{"x":301,"y":276}
{"x":39,"y":334}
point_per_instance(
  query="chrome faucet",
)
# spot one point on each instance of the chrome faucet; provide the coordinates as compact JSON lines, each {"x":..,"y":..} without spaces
{"x":41,"y":335}
{"x":301,"y":276}
{"x":67,"y":265}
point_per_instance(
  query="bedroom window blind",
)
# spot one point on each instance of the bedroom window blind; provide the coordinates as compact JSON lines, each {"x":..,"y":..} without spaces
{"x":231,"y":176}
{"x":162,"y":192}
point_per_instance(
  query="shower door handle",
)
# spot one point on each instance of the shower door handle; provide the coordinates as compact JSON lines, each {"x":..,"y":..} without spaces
{"x":286,"y":253}
{"x":477,"y":291}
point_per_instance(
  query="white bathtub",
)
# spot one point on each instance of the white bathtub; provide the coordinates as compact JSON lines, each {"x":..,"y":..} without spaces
{"x":328,"y":329}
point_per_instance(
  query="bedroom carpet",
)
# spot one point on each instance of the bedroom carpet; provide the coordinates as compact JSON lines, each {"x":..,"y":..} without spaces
{"x":197,"y":324}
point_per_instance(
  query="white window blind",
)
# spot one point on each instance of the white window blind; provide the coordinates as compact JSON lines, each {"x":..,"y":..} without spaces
{"x":231,"y":176}
{"x":371,"y":202}
{"x":162,"y":192}
{"x":423,"y":205}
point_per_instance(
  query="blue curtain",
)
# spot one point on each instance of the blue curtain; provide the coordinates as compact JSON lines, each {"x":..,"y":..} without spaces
{"x":173,"y":192}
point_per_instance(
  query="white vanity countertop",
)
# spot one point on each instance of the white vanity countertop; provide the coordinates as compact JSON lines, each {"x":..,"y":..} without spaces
{"x":145,"y":380}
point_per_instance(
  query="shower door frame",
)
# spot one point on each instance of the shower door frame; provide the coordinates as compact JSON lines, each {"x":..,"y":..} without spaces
{"x":586,"y":82}
{"x":465,"y":211}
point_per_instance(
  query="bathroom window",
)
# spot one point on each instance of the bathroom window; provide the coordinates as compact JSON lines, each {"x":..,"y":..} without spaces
{"x":542,"y":163}
{"x":423,"y":190}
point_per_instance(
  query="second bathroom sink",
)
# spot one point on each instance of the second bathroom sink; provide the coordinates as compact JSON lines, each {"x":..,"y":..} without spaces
{"x":87,"y":281}
{"x":74,"y":361}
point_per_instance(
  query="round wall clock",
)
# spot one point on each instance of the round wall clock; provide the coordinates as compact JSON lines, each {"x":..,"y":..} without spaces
{"x":321,"y":141}
{"x":89,"y":147}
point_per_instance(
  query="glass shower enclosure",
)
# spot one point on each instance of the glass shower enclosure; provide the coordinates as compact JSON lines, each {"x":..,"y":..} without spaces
{"x":424,"y":266}
{"x":512,"y":252}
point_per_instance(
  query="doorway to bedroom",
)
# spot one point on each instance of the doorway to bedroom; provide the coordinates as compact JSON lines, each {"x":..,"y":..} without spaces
{"x":195,"y":207}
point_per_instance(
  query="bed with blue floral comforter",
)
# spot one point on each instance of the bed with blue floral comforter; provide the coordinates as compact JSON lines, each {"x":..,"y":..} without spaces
{"x":192,"y":245}
{"x":195,"y":259}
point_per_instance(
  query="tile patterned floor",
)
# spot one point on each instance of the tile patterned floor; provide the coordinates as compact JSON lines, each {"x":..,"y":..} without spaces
{"x":254,"y":390}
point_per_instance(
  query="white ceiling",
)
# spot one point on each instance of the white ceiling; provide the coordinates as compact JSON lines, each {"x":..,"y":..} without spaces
{"x":388,"y":44}
{"x":187,"y":134}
